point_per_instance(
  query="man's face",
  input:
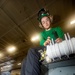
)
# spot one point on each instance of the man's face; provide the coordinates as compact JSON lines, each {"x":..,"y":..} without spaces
{"x":46,"y":22}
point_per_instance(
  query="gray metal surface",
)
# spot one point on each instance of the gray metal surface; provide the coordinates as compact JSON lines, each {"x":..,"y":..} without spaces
{"x":63,"y":67}
{"x":70,"y":70}
{"x":63,"y":63}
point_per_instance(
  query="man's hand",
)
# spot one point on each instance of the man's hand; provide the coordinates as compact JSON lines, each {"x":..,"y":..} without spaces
{"x":47,"y":42}
{"x":58,"y":40}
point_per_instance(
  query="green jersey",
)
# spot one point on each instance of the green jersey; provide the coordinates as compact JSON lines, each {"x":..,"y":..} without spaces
{"x":53,"y":33}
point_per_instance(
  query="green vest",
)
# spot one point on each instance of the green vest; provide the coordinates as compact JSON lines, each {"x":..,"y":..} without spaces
{"x":53,"y":33}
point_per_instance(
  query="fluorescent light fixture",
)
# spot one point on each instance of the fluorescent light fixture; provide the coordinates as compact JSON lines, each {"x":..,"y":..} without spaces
{"x":35,"y":38}
{"x":72,"y":22}
{"x":1,"y":55}
{"x":11,"y":49}
{"x":19,"y":64}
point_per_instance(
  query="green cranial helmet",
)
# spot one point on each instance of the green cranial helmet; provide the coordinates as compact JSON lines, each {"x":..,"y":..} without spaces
{"x":42,"y":13}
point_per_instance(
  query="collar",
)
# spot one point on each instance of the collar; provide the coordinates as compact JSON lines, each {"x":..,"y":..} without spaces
{"x":48,"y":29}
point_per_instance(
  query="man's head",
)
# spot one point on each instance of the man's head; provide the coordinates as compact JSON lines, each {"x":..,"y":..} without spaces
{"x":44,"y":18}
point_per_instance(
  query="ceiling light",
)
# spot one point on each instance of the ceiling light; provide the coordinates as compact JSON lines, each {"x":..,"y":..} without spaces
{"x":35,"y":38}
{"x":19,"y":64}
{"x":11,"y":49}
{"x":1,"y":55}
{"x":72,"y":22}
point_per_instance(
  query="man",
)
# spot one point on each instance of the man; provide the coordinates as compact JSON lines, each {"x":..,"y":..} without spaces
{"x":31,"y":65}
